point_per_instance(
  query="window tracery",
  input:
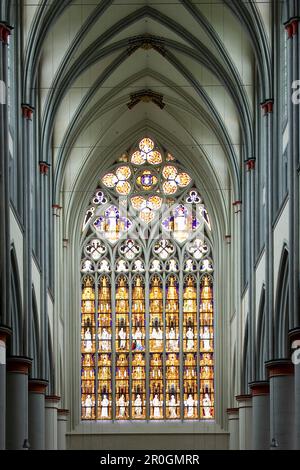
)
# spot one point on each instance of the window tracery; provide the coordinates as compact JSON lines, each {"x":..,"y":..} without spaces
{"x":147,"y":337}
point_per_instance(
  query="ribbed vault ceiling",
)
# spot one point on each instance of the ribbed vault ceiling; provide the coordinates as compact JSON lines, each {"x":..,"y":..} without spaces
{"x":90,"y":56}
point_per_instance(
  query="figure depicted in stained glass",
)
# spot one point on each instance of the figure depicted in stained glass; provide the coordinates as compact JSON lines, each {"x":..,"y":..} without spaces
{"x":138,"y":406}
{"x":157,"y":336}
{"x":88,"y":404}
{"x":122,"y":338}
{"x":172,"y":407}
{"x":206,"y":339}
{"x":137,"y":337}
{"x":190,"y":339}
{"x":104,"y":340}
{"x":190,"y":404}
{"x":104,"y":407}
{"x":88,"y":340}
{"x":122,"y":405}
{"x":173,"y":340}
{"x":206,"y":403}
{"x":157,"y":404}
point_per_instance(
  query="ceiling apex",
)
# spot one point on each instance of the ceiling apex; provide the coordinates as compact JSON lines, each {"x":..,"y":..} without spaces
{"x":146,"y":96}
{"x":146,"y":42}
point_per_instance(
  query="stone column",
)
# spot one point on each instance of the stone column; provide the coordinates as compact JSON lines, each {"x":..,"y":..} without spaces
{"x":62,"y":418}
{"x":17,"y":402}
{"x":260,"y":415}
{"x":51,"y":405}
{"x":245,"y":421}
{"x":5,"y":332}
{"x":282,"y":409}
{"x":233,"y":428}
{"x":36,"y":413}
{"x":294,"y":336}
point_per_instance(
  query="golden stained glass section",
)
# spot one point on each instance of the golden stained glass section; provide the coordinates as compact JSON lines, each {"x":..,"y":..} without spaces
{"x":154,"y":158}
{"x":169,"y":187}
{"x":172,"y":359}
{"x":190,"y":346}
{"x":206,"y":349}
{"x":123,"y":173}
{"x":138,"y":347}
{"x":138,"y":158}
{"x":123,"y":188}
{"x":146,"y":145}
{"x":109,"y":180}
{"x":104,"y":349}
{"x":169,"y":172}
{"x":88,"y":334}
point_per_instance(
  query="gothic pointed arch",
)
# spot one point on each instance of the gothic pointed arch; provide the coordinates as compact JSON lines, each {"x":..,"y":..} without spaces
{"x":147,"y":306}
{"x":16,"y":343}
{"x":35,"y":337}
{"x":281,"y":327}
{"x":246,"y":378}
{"x":261,"y":346}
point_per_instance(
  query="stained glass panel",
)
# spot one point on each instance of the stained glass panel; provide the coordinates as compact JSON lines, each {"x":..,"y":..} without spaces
{"x":146,"y":145}
{"x":88,"y":348}
{"x":147,"y":318}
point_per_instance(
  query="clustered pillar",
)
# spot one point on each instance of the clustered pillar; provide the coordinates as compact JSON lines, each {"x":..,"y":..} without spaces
{"x":36,"y":412}
{"x":282,"y":409}
{"x":17,"y":402}
{"x":245,"y":421}
{"x":260,"y":415}
{"x":28,"y":419}
{"x":233,"y":428}
{"x":52,"y":402}
{"x":4,"y":334}
{"x":269,"y":417}
{"x":295,"y":345}
{"x":62,"y":418}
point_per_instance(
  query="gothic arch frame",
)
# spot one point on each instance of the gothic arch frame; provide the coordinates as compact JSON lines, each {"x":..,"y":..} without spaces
{"x":281,"y":323}
{"x":16,"y":341}
{"x":35,"y":339}
{"x":261,"y":337}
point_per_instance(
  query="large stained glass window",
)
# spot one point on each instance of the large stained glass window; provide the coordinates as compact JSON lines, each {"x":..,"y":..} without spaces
{"x":147,"y":308}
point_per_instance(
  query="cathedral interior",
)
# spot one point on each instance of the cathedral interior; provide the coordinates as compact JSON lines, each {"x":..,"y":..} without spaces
{"x":149,"y":236}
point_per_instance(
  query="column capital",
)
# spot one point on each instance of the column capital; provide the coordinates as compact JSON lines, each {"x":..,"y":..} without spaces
{"x":250,"y":164}
{"x":37,"y":385}
{"x":228,"y":239}
{"x":18,"y":364}
{"x":243,"y":397}
{"x":237,"y":206}
{"x":259,"y":388}
{"x":279,"y":367}
{"x":5,"y":30}
{"x":63,"y":412}
{"x":232,"y":411}
{"x":294,"y":334}
{"x":27,"y":111}
{"x":44,"y":167}
{"x":56,"y":210}
{"x":5,"y":332}
{"x":52,"y":398}
{"x":291,"y":27}
{"x":267,"y":106}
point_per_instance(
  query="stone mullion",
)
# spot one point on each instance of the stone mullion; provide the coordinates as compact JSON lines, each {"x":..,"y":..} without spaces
{"x":96,"y":380}
{"x":181,"y":355}
{"x":113,"y":339}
